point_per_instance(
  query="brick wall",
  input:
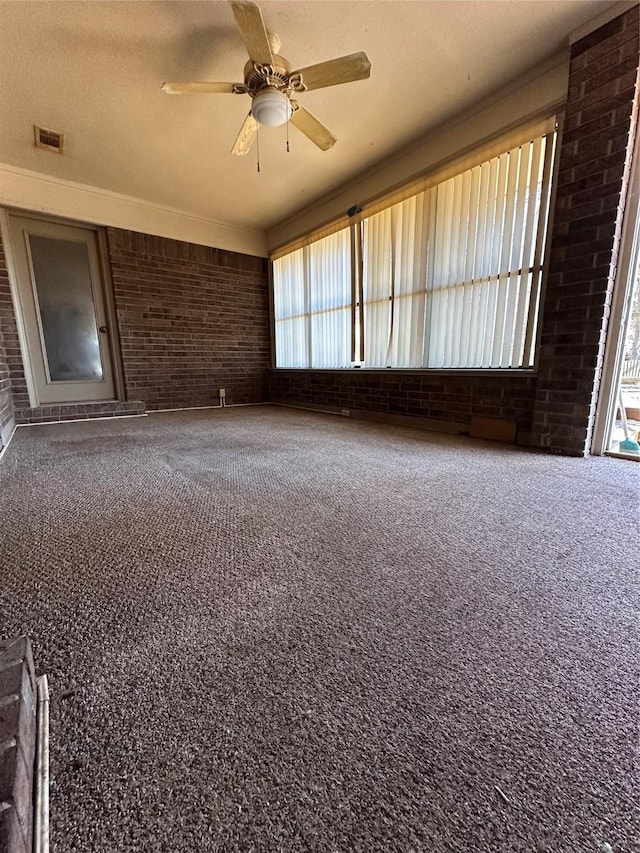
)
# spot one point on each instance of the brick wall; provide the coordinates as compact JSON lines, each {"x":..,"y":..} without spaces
{"x":592,"y":181}
{"x":7,"y":327}
{"x":434,"y":396}
{"x":6,"y":402}
{"x":9,"y":331}
{"x":554,"y":409}
{"x":192,"y":319}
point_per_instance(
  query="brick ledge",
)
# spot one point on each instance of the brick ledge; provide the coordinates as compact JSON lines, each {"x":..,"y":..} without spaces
{"x":57,"y":413}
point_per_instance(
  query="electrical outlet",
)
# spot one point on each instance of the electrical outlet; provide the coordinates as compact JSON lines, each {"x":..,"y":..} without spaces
{"x":222,"y":392}
{"x":346,"y":412}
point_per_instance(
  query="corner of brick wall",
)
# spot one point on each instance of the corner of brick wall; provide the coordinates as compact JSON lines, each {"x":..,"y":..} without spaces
{"x":18,"y":696}
{"x":6,"y":320}
{"x":594,"y":162}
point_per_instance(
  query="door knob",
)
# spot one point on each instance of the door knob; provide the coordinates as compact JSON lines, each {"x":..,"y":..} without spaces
{"x":103,"y":329}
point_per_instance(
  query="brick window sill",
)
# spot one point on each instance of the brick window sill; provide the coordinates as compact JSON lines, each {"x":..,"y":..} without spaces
{"x":502,"y":372}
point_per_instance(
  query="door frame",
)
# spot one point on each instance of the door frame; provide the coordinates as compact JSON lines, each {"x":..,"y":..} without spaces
{"x":18,"y":307}
{"x":620,"y":307}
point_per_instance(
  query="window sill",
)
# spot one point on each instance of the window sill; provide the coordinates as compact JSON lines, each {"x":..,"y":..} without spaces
{"x":503,"y":372}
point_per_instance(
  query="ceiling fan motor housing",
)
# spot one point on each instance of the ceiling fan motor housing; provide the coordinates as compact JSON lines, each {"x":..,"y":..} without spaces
{"x":268,"y":86}
{"x":257,"y":76}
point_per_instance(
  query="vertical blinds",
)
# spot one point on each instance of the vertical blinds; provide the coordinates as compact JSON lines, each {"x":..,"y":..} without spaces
{"x":448,"y":277}
{"x":485,"y":268}
{"x":312,"y":304}
{"x":394,"y":283}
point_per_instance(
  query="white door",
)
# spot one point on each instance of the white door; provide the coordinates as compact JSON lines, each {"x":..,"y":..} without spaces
{"x":63,"y":310}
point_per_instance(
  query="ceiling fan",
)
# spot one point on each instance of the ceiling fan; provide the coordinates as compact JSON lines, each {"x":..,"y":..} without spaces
{"x":270,"y":82}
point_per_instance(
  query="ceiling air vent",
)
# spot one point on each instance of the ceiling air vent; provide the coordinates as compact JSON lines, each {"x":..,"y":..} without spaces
{"x":49,"y":139}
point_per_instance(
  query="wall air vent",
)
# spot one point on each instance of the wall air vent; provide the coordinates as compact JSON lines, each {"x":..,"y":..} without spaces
{"x":49,"y":139}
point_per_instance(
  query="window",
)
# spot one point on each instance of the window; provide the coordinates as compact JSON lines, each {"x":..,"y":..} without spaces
{"x":312,"y":304}
{"x":448,"y":277}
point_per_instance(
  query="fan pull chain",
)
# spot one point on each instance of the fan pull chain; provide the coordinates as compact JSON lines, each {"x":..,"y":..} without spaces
{"x":287,"y":136}
{"x":258,"y":145}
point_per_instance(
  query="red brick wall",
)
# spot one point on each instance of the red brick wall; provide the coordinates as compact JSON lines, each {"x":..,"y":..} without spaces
{"x":554,"y":409}
{"x":593,"y":174}
{"x":192,"y":320}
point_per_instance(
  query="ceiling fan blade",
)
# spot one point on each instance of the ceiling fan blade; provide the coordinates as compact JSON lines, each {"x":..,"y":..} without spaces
{"x":245,"y":139}
{"x":198,"y":88}
{"x":312,"y":128}
{"x":249,"y":19}
{"x":345,"y":69}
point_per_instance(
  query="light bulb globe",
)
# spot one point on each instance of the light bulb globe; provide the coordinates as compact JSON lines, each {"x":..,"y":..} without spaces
{"x":271,"y":107}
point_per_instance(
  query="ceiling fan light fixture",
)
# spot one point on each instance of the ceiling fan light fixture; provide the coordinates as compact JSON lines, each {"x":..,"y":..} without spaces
{"x":271,"y":84}
{"x":271,"y":107}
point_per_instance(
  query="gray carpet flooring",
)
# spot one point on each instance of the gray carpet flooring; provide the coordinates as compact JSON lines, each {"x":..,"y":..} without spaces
{"x":273,"y":630}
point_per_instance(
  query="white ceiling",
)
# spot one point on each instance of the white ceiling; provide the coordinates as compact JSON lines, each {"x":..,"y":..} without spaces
{"x":93,"y":71}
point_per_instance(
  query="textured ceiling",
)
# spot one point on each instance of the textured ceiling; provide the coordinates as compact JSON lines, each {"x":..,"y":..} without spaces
{"x":93,"y":70}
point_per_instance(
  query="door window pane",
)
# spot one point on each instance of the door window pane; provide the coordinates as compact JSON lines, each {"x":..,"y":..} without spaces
{"x":65,"y":299}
